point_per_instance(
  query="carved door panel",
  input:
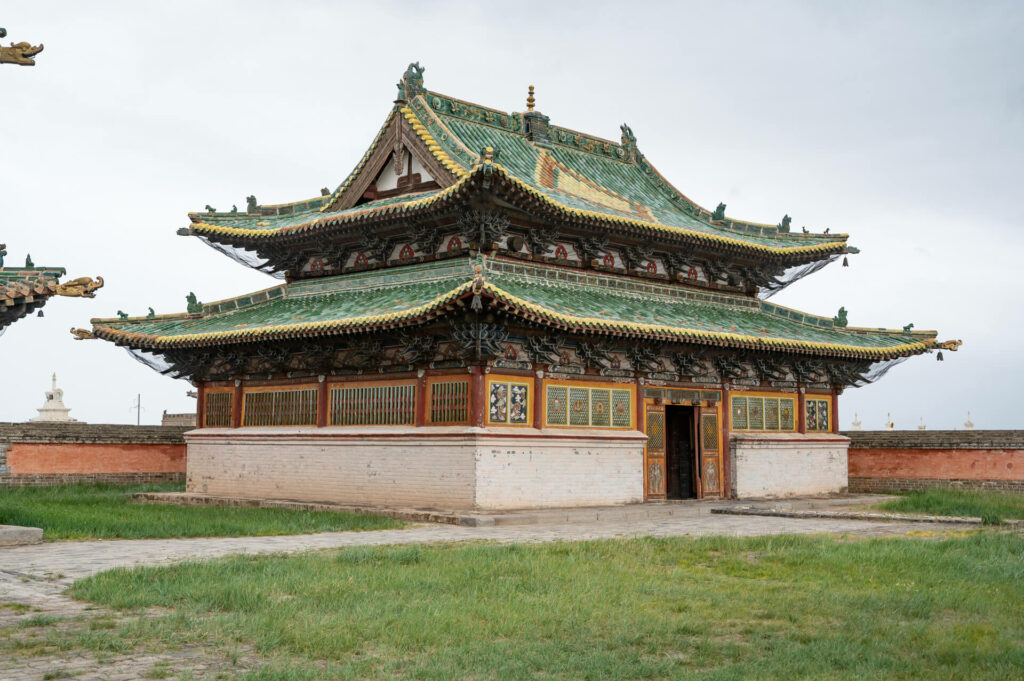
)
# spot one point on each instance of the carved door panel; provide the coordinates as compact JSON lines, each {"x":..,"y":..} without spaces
{"x":710,"y":443}
{"x":654,"y":461}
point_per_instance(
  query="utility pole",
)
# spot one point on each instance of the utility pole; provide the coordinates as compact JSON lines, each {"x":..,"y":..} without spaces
{"x":138,"y":409}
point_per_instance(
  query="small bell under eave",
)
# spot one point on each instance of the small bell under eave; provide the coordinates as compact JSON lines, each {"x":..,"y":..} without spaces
{"x":477,"y":305}
{"x":40,"y":314}
{"x":939,"y":358}
{"x":846,"y":261}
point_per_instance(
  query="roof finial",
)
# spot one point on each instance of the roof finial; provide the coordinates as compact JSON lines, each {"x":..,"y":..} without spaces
{"x":530,"y":101}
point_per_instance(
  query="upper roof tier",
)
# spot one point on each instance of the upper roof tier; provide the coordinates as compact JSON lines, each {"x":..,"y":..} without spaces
{"x":520,"y":158}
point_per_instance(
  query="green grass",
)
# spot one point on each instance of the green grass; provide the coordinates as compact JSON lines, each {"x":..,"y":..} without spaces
{"x":106,"y":512}
{"x":783,"y":607}
{"x":992,"y":507}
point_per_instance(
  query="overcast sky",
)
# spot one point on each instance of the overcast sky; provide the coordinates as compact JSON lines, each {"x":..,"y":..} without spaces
{"x":901,"y":124}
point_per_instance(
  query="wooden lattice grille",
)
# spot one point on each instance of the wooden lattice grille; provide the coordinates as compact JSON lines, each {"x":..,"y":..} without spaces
{"x":588,"y":407}
{"x":763,"y":413}
{"x":218,"y":409}
{"x":449,"y":402}
{"x":376,"y":405}
{"x":655,"y":432}
{"x":280,"y":408}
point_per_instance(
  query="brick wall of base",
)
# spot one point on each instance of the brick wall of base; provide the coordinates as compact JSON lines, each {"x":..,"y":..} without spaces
{"x":770,"y":465}
{"x":903,"y":461}
{"x":455,"y":468}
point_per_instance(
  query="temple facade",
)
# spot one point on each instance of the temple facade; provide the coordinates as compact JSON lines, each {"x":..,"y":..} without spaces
{"x":492,"y":311}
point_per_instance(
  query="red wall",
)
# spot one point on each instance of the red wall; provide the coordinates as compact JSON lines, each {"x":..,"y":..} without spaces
{"x":27,"y":458}
{"x":946,"y":464}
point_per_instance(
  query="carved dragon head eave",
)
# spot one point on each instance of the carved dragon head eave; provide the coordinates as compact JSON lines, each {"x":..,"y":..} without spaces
{"x":20,"y":54}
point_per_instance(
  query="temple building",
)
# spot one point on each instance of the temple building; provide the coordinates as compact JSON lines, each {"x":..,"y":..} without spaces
{"x":493,"y":311}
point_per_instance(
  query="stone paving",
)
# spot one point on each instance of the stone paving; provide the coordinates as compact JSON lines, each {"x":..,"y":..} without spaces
{"x":35,"y":576}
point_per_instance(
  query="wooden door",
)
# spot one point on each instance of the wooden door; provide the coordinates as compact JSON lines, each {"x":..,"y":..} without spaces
{"x":710,"y":443}
{"x":654,"y":458}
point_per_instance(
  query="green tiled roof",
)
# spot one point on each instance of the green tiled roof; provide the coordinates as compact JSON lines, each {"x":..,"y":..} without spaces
{"x":579,"y":176}
{"x":551,"y":296}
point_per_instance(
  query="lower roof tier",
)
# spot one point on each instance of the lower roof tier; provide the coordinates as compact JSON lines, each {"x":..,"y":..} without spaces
{"x":24,"y":290}
{"x":546,"y":296}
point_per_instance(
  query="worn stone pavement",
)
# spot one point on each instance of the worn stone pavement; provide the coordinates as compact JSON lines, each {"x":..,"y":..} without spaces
{"x":35,"y":576}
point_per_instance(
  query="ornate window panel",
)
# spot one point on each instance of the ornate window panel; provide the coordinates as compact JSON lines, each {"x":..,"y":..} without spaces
{"x":373,"y":405}
{"x":508,"y":403}
{"x":763,"y":413}
{"x":817,"y":416}
{"x":589,"y":407}
{"x":296,"y":407}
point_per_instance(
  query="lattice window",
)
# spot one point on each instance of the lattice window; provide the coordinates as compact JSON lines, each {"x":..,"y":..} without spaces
{"x":579,"y":407}
{"x":771,"y":413}
{"x":621,"y":409}
{"x":280,"y":408}
{"x":655,"y":431}
{"x":218,"y":409}
{"x":817,"y":415}
{"x":508,"y":402}
{"x":594,"y":407}
{"x":557,"y":405}
{"x":739,"y":413}
{"x":449,"y":402}
{"x":787,"y":414}
{"x":763,"y":413}
{"x":755,"y":413}
{"x":373,"y":405}
{"x":600,"y":407}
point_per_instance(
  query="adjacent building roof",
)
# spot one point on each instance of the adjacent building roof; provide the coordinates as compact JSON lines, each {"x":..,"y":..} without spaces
{"x":588,"y":303}
{"x":24,"y":290}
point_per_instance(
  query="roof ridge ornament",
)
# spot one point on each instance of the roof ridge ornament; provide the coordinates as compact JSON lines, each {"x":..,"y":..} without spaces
{"x":530,"y":101}
{"x":19,"y":53}
{"x":629,"y":144}
{"x":411,"y":83}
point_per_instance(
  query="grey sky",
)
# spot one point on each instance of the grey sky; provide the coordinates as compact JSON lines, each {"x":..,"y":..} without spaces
{"x":899,"y":123}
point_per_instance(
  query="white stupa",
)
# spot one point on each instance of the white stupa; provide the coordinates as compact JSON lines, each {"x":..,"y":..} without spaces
{"x":53,"y":410}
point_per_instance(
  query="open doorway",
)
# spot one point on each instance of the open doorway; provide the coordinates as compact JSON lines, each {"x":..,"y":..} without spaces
{"x":680,"y":453}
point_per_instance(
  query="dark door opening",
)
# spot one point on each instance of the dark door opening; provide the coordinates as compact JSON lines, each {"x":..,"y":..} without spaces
{"x":680,"y":453}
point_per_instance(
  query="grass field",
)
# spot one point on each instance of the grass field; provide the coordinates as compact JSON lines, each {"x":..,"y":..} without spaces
{"x":992,"y":507}
{"x":782,"y":607}
{"x":105,"y":512}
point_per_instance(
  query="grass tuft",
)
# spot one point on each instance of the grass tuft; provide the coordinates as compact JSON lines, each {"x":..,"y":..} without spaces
{"x":103,"y":511}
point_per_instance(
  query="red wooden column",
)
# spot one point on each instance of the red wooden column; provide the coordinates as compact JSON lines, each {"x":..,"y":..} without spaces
{"x":801,"y":411}
{"x":421,"y":398}
{"x":640,"y":405}
{"x":835,"y":411}
{"x":477,"y":401}
{"x":538,"y":400}
{"x":236,"y":406}
{"x":726,"y":425}
{"x":323,"y":398}
{"x":200,"y":405}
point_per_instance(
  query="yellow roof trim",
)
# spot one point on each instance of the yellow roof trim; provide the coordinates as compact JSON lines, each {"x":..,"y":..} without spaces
{"x":464,"y":176}
{"x":708,"y":335}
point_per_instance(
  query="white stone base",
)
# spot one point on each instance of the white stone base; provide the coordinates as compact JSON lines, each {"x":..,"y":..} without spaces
{"x":436,"y":467}
{"x":766,"y":465}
